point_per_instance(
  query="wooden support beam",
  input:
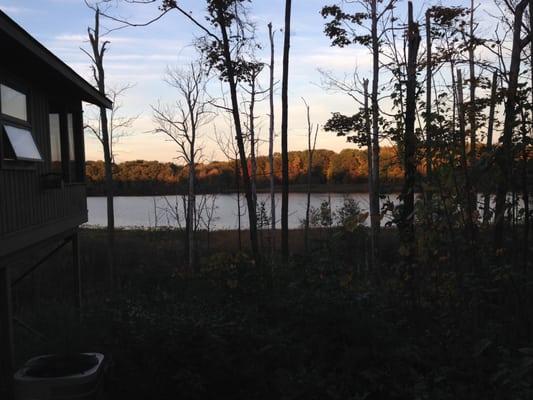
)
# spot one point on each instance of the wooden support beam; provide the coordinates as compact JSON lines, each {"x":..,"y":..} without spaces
{"x":6,"y":335}
{"x":77,"y":271}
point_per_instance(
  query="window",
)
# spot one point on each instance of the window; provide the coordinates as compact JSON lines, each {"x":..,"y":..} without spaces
{"x":71,"y":143}
{"x":17,"y":142}
{"x":55,"y":143}
{"x":22,"y":145}
{"x":13,"y":103}
{"x":65,"y":147}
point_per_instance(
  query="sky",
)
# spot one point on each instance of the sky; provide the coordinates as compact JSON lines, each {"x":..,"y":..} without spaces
{"x":139,"y":56}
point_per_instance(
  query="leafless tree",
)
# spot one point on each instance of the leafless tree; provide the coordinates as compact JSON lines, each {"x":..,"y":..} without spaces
{"x":227,"y":145}
{"x":312,"y":134}
{"x":224,"y":42}
{"x":181,"y":122}
{"x":120,"y":126}
{"x":96,"y":55}
{"x":252,"y":89}
{"x":207,"y":214}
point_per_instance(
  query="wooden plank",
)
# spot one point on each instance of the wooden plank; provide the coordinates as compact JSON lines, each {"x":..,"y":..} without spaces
{"x":57,"y":204}
{"x":77,"y":272}
{"x":6,"y":334}
{"x":34,"y":235}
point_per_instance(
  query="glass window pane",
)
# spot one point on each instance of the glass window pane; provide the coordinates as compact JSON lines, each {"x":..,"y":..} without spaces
{"x":71,"y":145}
{"x":23,"y":144}
{"x":55,"y":142}
{"x":13,"y":103}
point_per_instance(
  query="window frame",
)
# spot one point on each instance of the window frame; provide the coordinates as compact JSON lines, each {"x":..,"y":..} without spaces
{"x":20,"y":89}
{"x":72,"y":171}
{"x":17,"y":123}
{"x":4,"y":126}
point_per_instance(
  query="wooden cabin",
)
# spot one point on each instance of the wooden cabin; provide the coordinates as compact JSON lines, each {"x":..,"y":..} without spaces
{"x":42,"y":162}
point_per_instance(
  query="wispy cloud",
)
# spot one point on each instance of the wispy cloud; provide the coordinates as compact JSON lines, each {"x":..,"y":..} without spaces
{"x":336,"y":59}
{"x":82,"y":38}
{"x":9,"y":9}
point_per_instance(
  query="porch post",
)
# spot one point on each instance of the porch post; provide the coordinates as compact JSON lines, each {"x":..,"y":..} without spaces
{"x":76,"y":271}
{"x":6,"y":334}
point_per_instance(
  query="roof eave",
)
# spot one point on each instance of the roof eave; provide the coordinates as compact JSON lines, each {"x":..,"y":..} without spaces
{"x":90,"y":94}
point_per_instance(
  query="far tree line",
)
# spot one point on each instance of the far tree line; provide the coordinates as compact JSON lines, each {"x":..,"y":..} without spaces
{"x":140,"y":177}
{"x":345,"y":171}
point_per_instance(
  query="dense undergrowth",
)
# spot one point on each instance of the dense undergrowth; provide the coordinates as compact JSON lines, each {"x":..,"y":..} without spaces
{"x":326,"y":329}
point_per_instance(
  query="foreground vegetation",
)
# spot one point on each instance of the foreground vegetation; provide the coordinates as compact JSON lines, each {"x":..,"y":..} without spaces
{"x":325,"y":329}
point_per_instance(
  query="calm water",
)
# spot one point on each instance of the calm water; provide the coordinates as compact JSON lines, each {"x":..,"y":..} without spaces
{"x":159,"y":211}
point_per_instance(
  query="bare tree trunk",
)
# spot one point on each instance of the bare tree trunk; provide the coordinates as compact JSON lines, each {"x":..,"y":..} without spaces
{"x":284,"y":136}
{"x":375,"y":190}
{"x":473,"y":86}
{"x":504,"y":157}
{"x":238,"y":185}
{"x":527,"y":220}
{"x":191,"y":210}
{"x":490,"y":133}
{"x":239,"y":136}
{"x":525,"y":192}
{"x":469,"y":202}
{"x":253,"y":160}
{"x":311,"y":144}
{"x":368,"y":133}
{"x":308,"y":204}
{"x":408,"y":194}
{"x":108,"y":165}
{"x":271,"y":142}
{"x":99,"y":75}
{"x":429,"y":81}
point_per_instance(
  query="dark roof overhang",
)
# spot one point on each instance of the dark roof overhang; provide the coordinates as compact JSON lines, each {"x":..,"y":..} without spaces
{"x":87,"y":92}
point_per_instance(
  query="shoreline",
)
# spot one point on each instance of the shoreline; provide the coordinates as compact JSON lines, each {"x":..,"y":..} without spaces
{"x":357,"y":188}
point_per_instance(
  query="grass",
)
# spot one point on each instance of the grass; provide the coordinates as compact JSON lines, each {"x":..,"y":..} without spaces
{"x":324,"y":331}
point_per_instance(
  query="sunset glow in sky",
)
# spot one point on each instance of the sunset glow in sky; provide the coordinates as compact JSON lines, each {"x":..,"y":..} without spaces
{"x":140,"y":56}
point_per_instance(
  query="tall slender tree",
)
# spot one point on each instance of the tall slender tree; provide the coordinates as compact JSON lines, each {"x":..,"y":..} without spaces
{"x":345,"y":28}
{"x":99,"y":49}
{"x":224,"y":46}
{"x":312,"y":134}
{"x":504,"y":157}
{"x":469,"y":199}
{"x":284,"y":135}
{"x":181,"y":123}
{"x":488,"y":146}
{"x":472,"y":119}
{"x":252,"y":89}
{"x":271,"y":138}
{"x":409,"y":143}
{"x":429,"y":89}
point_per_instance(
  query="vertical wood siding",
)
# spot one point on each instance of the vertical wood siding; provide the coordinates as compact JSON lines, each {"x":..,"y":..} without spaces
{"x":24,"y":203}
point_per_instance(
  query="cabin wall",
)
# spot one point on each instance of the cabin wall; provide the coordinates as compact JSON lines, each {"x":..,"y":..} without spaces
{"x":30,"y":212}
{"x":25,"y":205}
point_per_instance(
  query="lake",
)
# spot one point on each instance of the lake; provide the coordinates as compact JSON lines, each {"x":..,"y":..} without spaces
{"x":160,"y":211}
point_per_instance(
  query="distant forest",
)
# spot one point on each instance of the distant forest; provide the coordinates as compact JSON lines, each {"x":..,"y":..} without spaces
{"x":331,"y":171}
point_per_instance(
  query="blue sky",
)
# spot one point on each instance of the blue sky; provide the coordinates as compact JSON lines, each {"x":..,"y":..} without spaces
{"x":140,"y":56}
